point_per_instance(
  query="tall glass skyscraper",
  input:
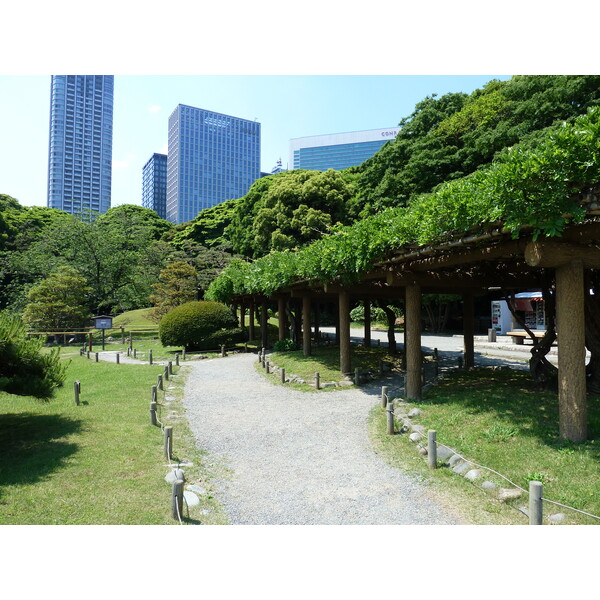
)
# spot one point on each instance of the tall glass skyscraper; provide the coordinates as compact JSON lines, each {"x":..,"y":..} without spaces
{"x":211,"y":158}
{"x":154,"y":184}
{"x":338,"y":150}
{"x":80,"y":153}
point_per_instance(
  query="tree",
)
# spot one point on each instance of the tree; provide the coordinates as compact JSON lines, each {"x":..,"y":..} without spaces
{"x":289,"y":210}
{"x":24,"y":369}
{"x":58,"y":302}
{"x":178,"y":284}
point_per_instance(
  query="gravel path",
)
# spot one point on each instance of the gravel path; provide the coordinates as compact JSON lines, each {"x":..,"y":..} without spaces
{"x":297,"y":458}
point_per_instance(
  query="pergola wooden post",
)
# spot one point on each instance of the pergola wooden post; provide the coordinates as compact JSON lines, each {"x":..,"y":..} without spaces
{"x":367,"y":338}
{"x":242,"y":315}
{"x":306,"y":325}
{"x":412,"y":342}
{"x":282,"y":317}
{"x":251,"y":320}
{"x":264,"y":320}
{"x":317,"y":321}
{"x":344,"y":332}
{"x":570,"y":328}
{"x":469,"y":329}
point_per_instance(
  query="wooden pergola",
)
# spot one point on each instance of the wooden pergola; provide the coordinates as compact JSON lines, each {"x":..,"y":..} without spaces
{"x":469,"y":266}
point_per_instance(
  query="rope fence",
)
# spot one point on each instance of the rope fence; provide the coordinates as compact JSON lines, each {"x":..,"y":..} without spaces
{"x":390,"y":411}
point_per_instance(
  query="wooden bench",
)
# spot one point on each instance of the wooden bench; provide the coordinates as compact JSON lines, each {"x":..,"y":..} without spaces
{"x":518,"y":337}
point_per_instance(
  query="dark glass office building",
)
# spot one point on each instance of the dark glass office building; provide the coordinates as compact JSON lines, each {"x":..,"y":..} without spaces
{"x":211,"y":158}
{"x":80,"y":152}
{"x":154,"y":184}
{"x":338,"y":150}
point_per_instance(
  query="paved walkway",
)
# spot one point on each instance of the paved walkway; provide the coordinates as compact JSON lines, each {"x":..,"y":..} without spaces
{"x":297,"y":457}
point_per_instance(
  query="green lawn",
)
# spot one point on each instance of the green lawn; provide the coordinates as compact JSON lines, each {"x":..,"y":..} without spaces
{"x":500,"y":419}
{"x":100,"y":462}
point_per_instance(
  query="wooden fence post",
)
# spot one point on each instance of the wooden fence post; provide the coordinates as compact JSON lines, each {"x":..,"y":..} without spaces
{"x":384,"y":395}
{"x":356,"y":376}
{"x":76,"y":388}
{"x":153,"y":394}
{"x":282,"y":375}
{"x":535,"y":502}
{"x":168,"y":433}
{"x":160,"y":382}
{"x":177,"y":359}
{"x":118,"y":358}
{"x":431,"y":449}
{"x":150,"y":356}
{"x":97,"y":357}
{"x":390,"y":418}
{"x":166,"y":374}
{"x":153,"y":413}
{"x":177,"y":500}
{"x":170,"y":366}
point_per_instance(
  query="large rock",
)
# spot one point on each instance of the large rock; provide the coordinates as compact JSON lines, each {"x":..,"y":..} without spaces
{"x":507,"y":494}
{"x":489,"y":485}
{"x":455,"y":459}
{"x":461,"y":468}
{"x":444,"y":453}
{"x":415,"y":437}
{"x":415,"y":412}
{"x":473,"y":474}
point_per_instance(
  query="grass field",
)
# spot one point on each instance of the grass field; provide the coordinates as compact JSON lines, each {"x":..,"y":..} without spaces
{"x":100,"y":462}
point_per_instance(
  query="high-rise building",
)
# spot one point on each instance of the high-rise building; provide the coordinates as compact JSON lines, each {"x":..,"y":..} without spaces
{"x":338,"y":150}
{"x":211,"y":158}
{"x":154,"y":184}
{"x":80,"y":152}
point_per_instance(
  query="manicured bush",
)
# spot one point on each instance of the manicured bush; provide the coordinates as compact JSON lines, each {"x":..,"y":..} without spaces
{"x":24,"y":368}
{"x":201,"y":325}
{"x":286,"y":345}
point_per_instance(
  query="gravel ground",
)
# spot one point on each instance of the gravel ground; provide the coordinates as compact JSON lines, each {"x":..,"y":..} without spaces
{"x":297,"y":458}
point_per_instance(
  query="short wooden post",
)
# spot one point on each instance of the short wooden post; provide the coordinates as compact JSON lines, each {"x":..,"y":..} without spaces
{"x":246,"y":347}
{"x":260,"y":356}
{"x":76,"y":389}
{"x":97,"y":357}
{"x":150,"y":356}
{"x":128,"y":351}
{"x":168,"y":433}
{"x":166,"y":374}
{"x":317,"y":381}
{"x":153,"y":394}
{"x":264,"y":361}
{"x":356,"y":376}
{"x":384,"y":395}
{"x":492,"y":335}
{"x":390,"y":418}
{"x":177,"y":359}
{"x":153,"y":413}
{"x":88,"y":354}
{"x":222,"y":351}
{"x":160,"y":382}
{"x":431,"y":449}
{"x":131,"y":340}
{"x":118,"y":358}
{"x":267,"y":366}
{"x":122,"y":335}
{"x":170,"y":367}
{"x":282,"y":375}
{"x":183,"y":354}
{"x":134,"y":353}
{"x":535,"y":502}
{"x":177,"y":500}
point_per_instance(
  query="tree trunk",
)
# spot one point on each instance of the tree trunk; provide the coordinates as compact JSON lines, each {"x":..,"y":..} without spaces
{"x":541,"y":369}
{"x":391,"y":319}
{"x":592,"y":331}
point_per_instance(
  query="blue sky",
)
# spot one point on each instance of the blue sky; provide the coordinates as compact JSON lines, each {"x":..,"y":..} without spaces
{"x":287,"y":106}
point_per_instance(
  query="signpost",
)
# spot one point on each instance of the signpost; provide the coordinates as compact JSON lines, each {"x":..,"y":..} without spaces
{"x":103,"y":322}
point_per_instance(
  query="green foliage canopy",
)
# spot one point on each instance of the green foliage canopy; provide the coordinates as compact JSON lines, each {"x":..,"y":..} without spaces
{"x":525,"y":187}
{"x":24,"y":368}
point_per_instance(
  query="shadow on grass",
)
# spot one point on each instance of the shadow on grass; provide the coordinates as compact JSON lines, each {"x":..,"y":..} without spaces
{"x":31,"y":446}
{"x":328,"y":357}
{"x":517,"y":399}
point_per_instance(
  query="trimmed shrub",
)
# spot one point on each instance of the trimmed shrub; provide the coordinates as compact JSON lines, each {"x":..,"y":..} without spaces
{"x":199,"y":325}
{"x":24,"y":368}
{"x":286,"y":345}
